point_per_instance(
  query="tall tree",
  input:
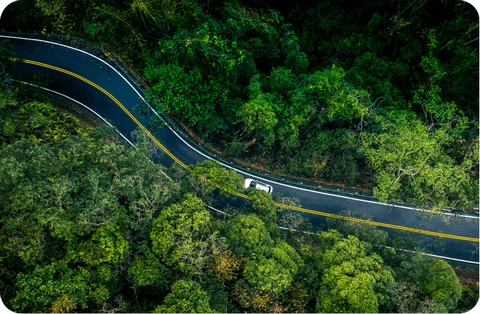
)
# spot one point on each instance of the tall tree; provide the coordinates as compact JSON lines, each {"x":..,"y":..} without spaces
{"x":353,"y":280}
{"x":275,"y":271}
{"x":247,"y":234}
{"x":57,"y":287}
{"x":208,"y":172}
{"x":187,"y":296}
{"x":410,"y":163}
{"x":180,"y":231}
{"x":436,"y":277}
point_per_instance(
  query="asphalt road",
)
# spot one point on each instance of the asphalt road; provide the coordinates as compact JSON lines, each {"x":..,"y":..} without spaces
{"x":105,"y":77}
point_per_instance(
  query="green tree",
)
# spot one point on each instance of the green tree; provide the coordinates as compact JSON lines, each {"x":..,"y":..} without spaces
{"x":274,"y":272}
{"x":337,"y":98}
{"x":353,"y":280}
{"x":382,"y":77}
{"x":295,"y":58}
{"x":210,"y":170}
{"x":262,"y":205}
{"x":186,"y":296}
{"x":42,"y":289}
{"x":179,"y":230}
{"x":247,"y":234}
{"x":147,"y":270}
{"x":436,"y":277}
{"x":329,"y":155}
{"x":258,"y":119}
{"x":410,"y":162}
{"x":107,"y":245}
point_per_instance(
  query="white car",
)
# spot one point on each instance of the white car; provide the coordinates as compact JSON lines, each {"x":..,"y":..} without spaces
{"x":250,"y":183}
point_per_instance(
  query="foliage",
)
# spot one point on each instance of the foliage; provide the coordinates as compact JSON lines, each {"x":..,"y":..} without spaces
{"x":276,"y":272}
{"x":353,"y":280}
{"x":147,"y":270}
{"x":308,"y":89}
{"x":57,"y":283}
{"x":411,"y":163}
{"x":186,"y":297}
{"x":177,"y":226}
{"x":247,"y":234}
{"x":436,"y":278}
{"x":35,"y":120}
{"x":409,"y":298}
{"x":213,"y":172}
{"x":358,"y":93}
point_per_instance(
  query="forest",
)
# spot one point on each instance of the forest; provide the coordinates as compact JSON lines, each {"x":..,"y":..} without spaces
{"x":376,"y":95}
{"x":90,"y":224}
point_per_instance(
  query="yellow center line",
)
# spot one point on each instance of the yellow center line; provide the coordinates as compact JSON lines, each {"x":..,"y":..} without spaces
{"x":296,"y":208}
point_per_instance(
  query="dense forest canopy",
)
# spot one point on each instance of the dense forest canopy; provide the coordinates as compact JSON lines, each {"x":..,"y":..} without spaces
{"x":88,"y":224}
{"x":381,"y":95}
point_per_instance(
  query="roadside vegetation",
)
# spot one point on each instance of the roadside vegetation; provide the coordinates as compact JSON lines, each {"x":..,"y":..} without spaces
{"x":377,"y":95}
{"x":89,"y":224}
{"x":373,"y":94}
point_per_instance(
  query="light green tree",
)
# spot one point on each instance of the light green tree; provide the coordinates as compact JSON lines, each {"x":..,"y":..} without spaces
{"x":186,"y":296}
{"x":46,"y":286}
{"x":436,"y":277}
{"x":353,"y":280}
{"x":262,"y":205}
{"x":259,"y":120}
{"x":247,"y":234}
{"x":147,"y":270}
{"x":107,"y":245}
{"x":337,"y":98}
{"x":274,"y":272}
{"x":210,"y":170}
{"x":410,"y":163}
{"x":180,"y":229}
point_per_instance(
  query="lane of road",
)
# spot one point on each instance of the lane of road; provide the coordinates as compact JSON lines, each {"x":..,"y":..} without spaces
{"x":106,"y":78}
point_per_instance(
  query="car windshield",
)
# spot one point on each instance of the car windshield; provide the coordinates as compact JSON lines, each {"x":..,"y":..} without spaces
{"x":253,"y":184}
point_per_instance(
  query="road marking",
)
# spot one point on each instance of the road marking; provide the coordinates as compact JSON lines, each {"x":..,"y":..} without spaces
{"x":95,"y":113}
{"x":385,"y":246}
{"x":78,"y":103}
{"x":433,"y":255}
{"x":221,"y":163}
{"x":296,"y":208}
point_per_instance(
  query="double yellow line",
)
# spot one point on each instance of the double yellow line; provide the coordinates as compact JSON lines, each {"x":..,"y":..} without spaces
{"x":305,"y":210}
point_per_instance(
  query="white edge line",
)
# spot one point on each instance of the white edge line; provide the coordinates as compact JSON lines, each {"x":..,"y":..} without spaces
{"x":91,"y":110}
{"x":433,"y":255}
{"x":225,"y":165}
{"x":217,"y":210}
{"x":294,"y":230}
{"x":79,"y":103}
{"x":404,"y":250}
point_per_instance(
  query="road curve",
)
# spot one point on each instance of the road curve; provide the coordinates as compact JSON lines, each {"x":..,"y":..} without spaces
{"x":90,"y":80}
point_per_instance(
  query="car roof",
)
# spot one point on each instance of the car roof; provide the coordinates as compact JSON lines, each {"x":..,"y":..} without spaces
{"x":262,"y":186}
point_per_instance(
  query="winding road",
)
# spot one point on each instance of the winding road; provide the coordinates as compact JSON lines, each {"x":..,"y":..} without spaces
{"x":112,"y":94}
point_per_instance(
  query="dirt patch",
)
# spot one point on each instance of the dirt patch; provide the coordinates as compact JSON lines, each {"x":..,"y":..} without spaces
{"x":467,"y":276}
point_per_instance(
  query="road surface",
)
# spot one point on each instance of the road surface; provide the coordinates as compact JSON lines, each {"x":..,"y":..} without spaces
{"x":92,"y":81}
